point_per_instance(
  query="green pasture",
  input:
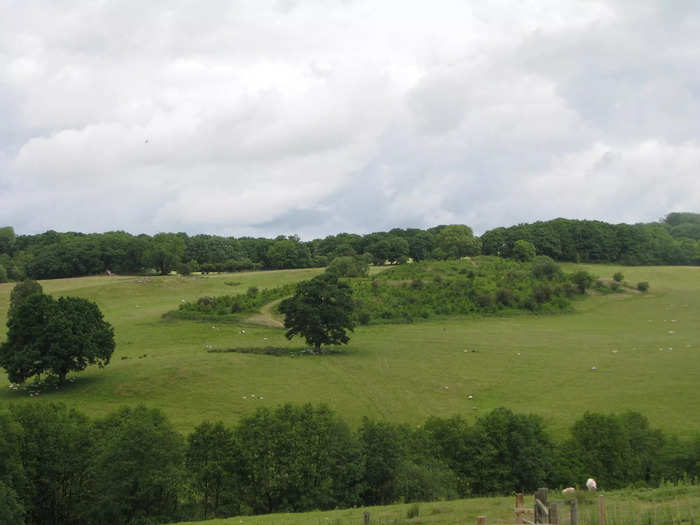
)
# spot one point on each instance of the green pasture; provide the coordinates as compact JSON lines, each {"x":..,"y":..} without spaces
{"x":645,"y":349}
{"x":667,"y":505}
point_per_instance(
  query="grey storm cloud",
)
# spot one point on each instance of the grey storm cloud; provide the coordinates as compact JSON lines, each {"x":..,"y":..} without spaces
{"x":266,"y":118}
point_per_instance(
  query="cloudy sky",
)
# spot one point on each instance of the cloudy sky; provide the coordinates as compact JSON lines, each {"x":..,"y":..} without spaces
{"x":321,"y":116}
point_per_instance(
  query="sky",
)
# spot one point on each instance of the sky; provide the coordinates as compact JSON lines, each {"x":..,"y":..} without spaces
{"x":318,"y":117}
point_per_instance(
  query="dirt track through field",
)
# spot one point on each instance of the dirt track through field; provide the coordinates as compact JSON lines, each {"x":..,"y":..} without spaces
{"x":266,"y":316}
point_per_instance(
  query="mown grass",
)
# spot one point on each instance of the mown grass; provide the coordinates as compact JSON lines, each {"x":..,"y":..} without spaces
{"x":538,"y":364}
{"x":669,"y":505}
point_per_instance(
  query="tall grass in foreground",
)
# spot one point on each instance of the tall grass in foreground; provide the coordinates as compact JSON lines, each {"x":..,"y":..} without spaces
{"x":669,"y":504}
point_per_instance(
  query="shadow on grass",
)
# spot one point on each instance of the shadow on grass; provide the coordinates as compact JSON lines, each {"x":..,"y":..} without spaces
{"x":46,"y":387}
{"x":278,"y":351}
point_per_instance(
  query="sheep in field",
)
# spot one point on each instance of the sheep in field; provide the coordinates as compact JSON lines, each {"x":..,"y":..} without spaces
{"x":568,"y":490}
{"x":591,"y":484}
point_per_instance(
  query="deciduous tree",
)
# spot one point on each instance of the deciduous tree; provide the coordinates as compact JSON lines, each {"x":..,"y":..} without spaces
{"x":209,"y":460}
{"x":320,"y":311}
{"x":56,"y":337}
{"x":455,"y":241}
{"x":524,"y":251}
{"x":137,"y":467}
{"x":22,"y":291}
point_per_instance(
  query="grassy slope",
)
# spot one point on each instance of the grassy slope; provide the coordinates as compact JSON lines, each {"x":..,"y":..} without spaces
{"x":399,"y":372}
{"x":666,"y":505}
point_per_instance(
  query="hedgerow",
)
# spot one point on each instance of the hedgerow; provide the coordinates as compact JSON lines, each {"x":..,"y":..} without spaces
{"x":227,"y":306}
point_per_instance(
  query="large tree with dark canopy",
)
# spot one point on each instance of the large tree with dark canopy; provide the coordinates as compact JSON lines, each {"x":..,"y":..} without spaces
{"x":137,"y":468}
{"x":55,"y":337}
{"x":320,"y":311}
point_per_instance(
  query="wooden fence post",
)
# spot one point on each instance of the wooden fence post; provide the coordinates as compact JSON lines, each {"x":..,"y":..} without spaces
{"x":365,"y":517}
{"x":574,"y":512}
{"x":519,"y":507}
{"x":602,"y":518}
{"x":541,"y":513}
{"x":554,"y":513}
{"x":481,"y":520}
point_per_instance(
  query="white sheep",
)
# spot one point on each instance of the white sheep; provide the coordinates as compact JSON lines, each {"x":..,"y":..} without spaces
{"x":568,"y":490}
{"x":591,"y":484}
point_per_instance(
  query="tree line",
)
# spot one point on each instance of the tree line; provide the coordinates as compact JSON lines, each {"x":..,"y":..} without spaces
{"x":673,"y":240}
{"x":132,"y":466}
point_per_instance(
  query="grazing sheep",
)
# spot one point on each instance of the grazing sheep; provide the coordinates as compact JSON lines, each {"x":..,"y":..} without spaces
{"x":568,"y":490}
{"x":591,"y":484}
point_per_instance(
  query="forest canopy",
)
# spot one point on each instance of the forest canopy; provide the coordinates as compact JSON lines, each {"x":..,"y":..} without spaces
{"x":674,"y":240}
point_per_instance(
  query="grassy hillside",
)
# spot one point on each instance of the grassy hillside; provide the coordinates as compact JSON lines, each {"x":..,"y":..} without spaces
{"x":644,"y":347}
{"x":666,"y":505}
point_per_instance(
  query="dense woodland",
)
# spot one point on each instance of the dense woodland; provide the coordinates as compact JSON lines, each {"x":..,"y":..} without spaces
{"x":675,"y":240}
{"x":58,"y":466}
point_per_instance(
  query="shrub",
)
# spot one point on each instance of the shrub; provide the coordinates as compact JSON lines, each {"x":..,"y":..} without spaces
{"x":184,"y":268}
{"x":524,"y":251}
{"x":416,"y":284}
{"x":618,"y":277}
{"x":205,"y":301}
{"x":583,"y":280}
{"x":643,"y":286}
{"x":600,"y":286}
{"x":484,"y":300}
{"x":348,"y":266}
{"x":542,"y":293}
{"x":504,"y":296}
{"x":568,"y":289}
{"x":413,"y":511}
{"x":544,"y":267}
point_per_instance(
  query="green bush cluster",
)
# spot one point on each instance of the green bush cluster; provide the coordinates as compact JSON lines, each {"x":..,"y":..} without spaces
{"x":223,"y":306}
{"x":482,"y":285}
{"x":349,"y":266}
{"x":58,"y":466}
